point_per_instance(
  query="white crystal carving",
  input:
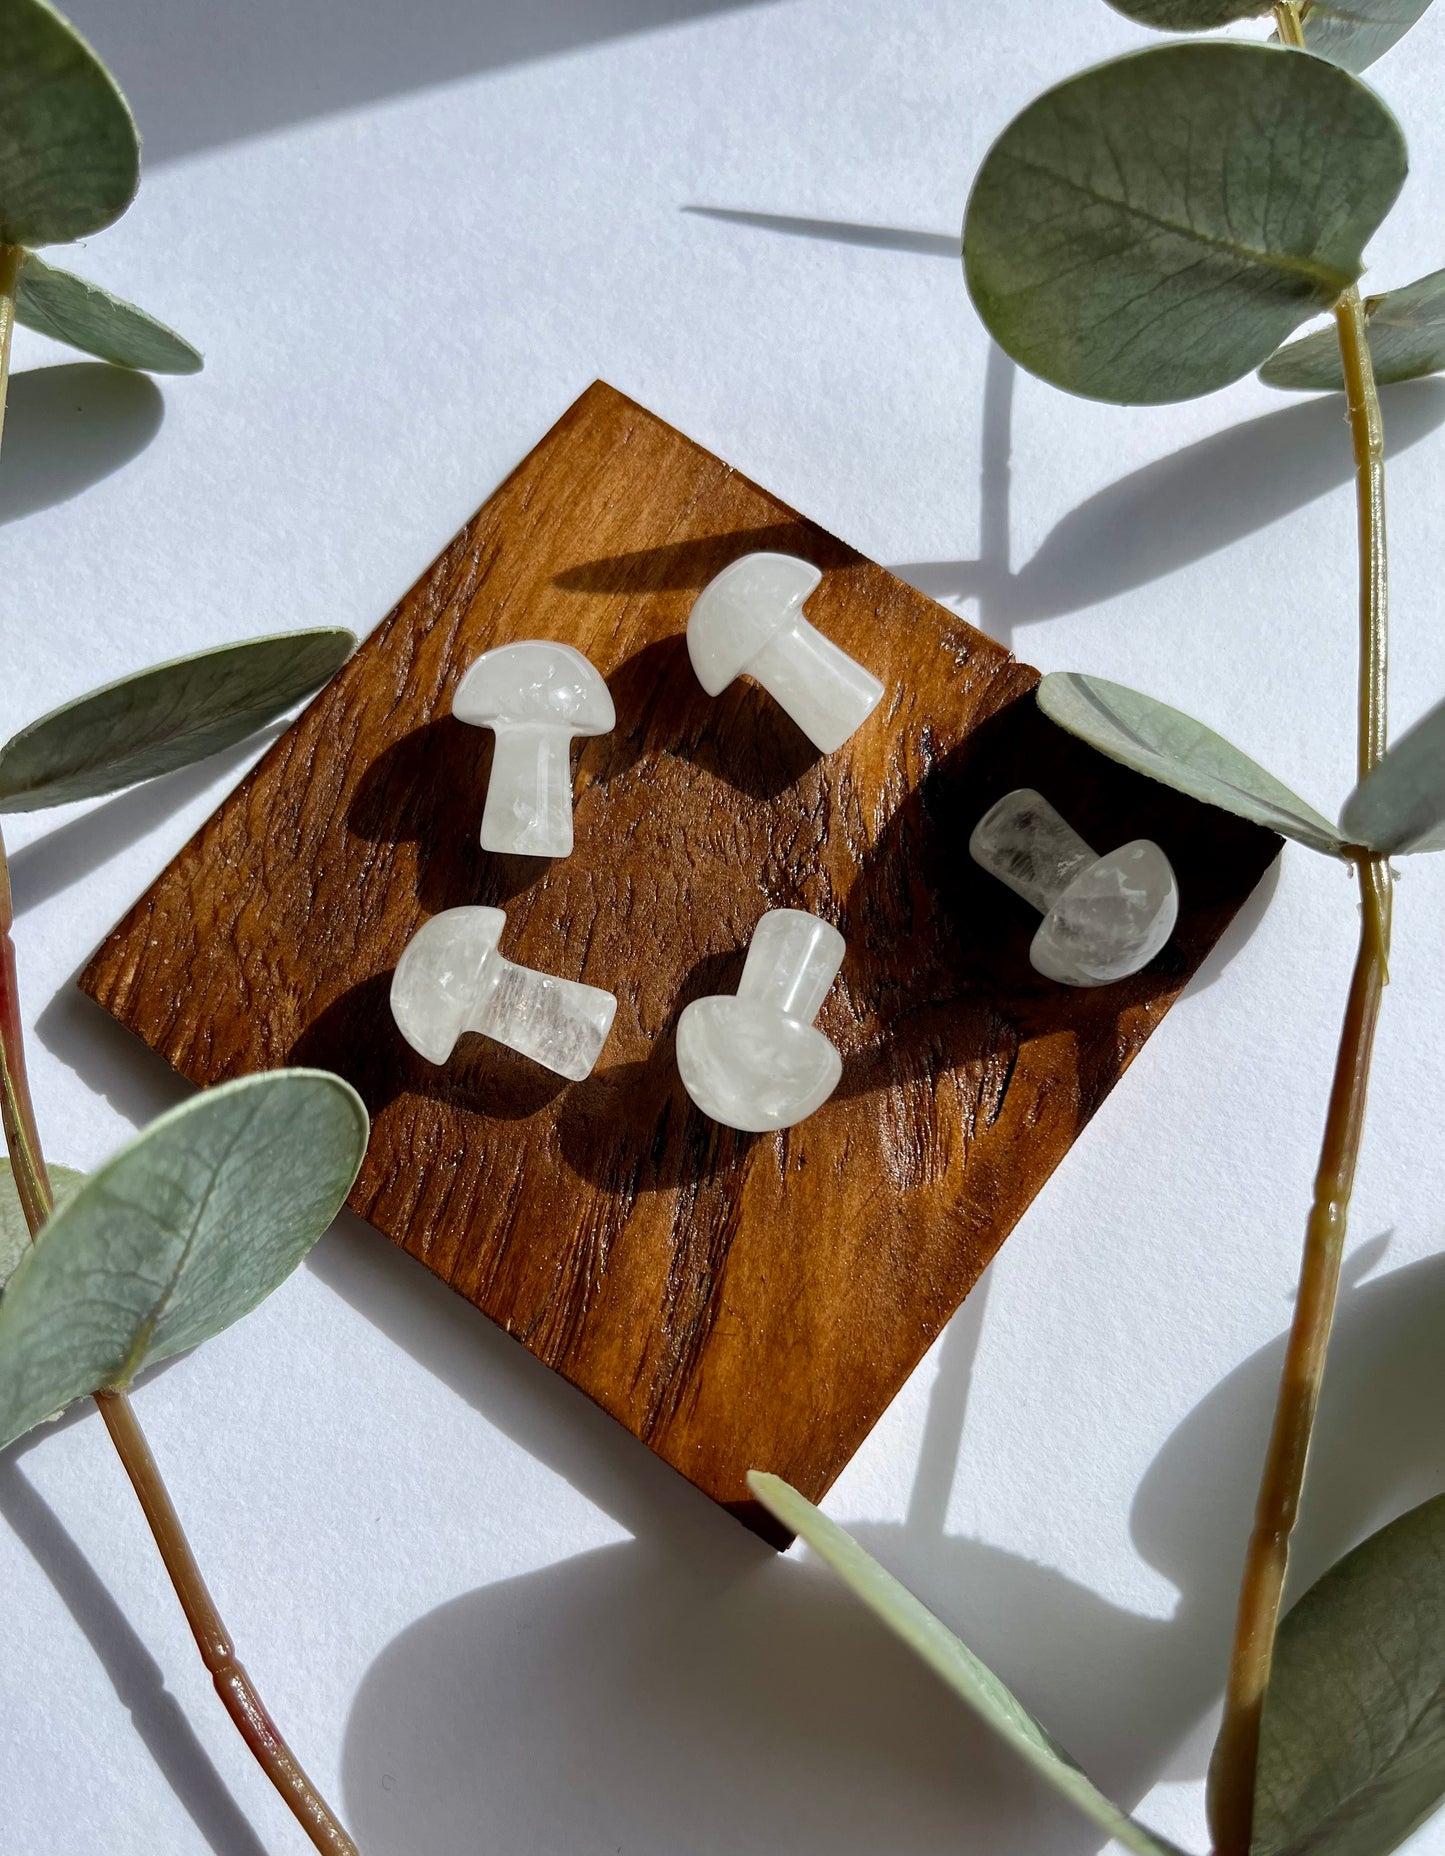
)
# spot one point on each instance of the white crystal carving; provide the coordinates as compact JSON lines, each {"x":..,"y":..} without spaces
{"x":755,"y":1061}
{"x":535,"y":696}
{"x":750,"y":619}
{"x":451,"y":979}
{"x":1104,"y":917}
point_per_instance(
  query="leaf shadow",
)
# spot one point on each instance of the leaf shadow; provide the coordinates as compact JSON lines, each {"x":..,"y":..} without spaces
{"x":1169,"y":514}
{"x":198,"y":76}
{"x":53,"y":862}
{"x":67,"y":427}
{"x":1166,"y":516}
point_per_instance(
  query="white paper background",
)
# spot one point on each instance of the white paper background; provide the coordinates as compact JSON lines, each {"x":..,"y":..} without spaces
{"x":406,"y":237}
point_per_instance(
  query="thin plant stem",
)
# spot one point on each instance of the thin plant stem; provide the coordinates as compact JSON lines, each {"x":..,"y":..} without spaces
{"x":11,"y":259}
{"x":1289,"y":23}
{"x":1235,"y":1764}
{"x":32,"y":1184}
{"x":17,"y":1114}
{"x":233,"y":1685}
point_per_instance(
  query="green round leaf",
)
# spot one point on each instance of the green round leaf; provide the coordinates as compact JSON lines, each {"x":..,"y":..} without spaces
{"x":1156,"y":227}
{"x":1172,"y":747}
{"x":14,"y":1232}
{"x":1189,"y":15}
{"x":932,"y":1641}
{"x":1406,"y":329}
{"x":180,"y":1234}
{"x":1400,"y":805}
{"x":164,"y":718}
{"x":68,"y":309}
{"x":1352,"y":1744}
{"x":1354,"y":33}
{"x":69,"y":152}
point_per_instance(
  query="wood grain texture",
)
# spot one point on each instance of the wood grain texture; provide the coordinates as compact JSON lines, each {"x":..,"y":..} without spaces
{"x":736,"y":1301}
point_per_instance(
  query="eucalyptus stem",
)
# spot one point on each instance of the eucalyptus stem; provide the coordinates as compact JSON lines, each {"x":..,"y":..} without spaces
{"x":1289,"y":23}
{"x":233,"y":1685}
{"x":11,"y":259}
{"x":17,"y":1114}
{"x":1236,"y":1756}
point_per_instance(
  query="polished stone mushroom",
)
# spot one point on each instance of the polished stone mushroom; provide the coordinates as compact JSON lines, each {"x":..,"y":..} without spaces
{"x":754,"y":1060}
{"x":534,"y":696}
{"x":749,"y":620}
{"x":1104,"y":917}
{"x":451,"y":979}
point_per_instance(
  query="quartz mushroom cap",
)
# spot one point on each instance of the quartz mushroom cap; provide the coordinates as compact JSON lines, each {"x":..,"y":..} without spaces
{"x":755,"y":1061}
{"x":535,"y":696}
{"x":451,"y":978}
{"x":1104,"y":917}
{"x":749,"y":619}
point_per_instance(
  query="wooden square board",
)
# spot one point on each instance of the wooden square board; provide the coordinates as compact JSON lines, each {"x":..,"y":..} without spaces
{"x":736,"y":1301}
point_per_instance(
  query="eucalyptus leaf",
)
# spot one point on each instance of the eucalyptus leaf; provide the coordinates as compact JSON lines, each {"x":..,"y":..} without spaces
{"x":1189,"y":15}
{"x":1399,"y":806}
{"x":68,"y":309}
{"x":937,"y":1646}
{"x":1173,"y":748}
{"x":69,"y":152}
{"x":177,"y":1236}
{"x":1156,"y":227}
{"x":14,"y":1232}
{"x":1354,"y":33}
{"x":1352,"y":1743}
{"x":1406,"y":330}
{"x":164,"y":718}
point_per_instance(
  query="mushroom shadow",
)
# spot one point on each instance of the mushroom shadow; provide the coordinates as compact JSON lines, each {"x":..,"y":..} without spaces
{"x":941,"y":961}
{"x":67,"y":427}
{"x":357,"y":1036}
{"x":429,"y":789}
{"x":632,"y":1128}
{"x":689,"y":565}
{"x":742,"y":737}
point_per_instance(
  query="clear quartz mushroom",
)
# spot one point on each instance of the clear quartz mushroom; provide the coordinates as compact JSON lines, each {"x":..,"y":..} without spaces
{"x":535,"y":696}
{"x":451,"y":979}
{"x":755,"y":1061}
{"x":750,"y":619}
{"x":1104,"y":917}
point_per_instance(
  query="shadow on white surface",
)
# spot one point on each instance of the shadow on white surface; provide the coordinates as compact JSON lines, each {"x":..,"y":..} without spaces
{"x":839,"y":231}
{"x":199,"y":75}
{"x":66,"y":427}
{"x":159,"y":1721}
{"x":1166,"y":516}
{"x":687,"y":1686}
{"x":107,"y":1058}
{"x":50,"y":864}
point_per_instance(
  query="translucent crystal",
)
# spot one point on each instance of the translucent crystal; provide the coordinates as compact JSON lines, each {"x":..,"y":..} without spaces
{"x":535,"y":696}
{"x":750,"y":619}
{"x":451,"y":979}
{"x":755,"y":1061}
{"x":1104,"y":917}
{"x":1110,"y":921}
{"x":1024,"y":843}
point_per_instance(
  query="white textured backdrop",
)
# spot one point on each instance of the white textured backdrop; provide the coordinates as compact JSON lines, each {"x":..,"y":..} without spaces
{"x":406,"y":237}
